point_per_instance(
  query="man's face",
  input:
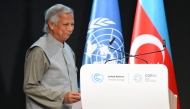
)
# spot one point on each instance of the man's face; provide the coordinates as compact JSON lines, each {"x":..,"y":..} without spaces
{"x":64,"y":27}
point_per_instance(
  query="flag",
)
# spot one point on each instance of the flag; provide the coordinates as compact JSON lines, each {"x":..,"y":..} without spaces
{"x":104,"y":26}
{"x":149,"y":31}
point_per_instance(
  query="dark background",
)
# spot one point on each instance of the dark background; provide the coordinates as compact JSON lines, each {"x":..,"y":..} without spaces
{"x":21,"y":23}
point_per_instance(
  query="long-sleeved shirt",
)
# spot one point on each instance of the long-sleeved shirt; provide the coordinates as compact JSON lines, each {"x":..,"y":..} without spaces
{"x":35,"y":66}
{"x":50,"y":73}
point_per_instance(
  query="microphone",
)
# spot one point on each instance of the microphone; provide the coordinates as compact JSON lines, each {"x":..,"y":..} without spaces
{"x":114,"y":48}
{"x":111,"y":41}
{"x":164,"y":43}
{"x":136,"y":56}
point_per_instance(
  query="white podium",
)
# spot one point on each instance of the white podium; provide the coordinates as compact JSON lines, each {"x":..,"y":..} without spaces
{"x":124,"y":86}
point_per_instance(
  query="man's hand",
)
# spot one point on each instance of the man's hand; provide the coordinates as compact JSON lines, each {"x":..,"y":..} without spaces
{"x":71,"y":97}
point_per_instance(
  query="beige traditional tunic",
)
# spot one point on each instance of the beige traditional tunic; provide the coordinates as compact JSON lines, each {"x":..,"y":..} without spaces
{"x":50,"y":73}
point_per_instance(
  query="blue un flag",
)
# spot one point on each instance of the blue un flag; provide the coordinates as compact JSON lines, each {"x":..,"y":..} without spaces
{"x":103,"y":27}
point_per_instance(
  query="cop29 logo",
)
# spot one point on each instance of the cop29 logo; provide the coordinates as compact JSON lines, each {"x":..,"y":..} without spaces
{"x":150,"y":75}
{"x":97,"y":77}
{"x":137,"y":78}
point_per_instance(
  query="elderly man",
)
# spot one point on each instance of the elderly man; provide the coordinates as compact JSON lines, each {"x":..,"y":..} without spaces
{"x":50,"y":74}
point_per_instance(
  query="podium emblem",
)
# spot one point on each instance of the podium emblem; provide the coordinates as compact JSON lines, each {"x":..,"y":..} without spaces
{"x":97,"y":77}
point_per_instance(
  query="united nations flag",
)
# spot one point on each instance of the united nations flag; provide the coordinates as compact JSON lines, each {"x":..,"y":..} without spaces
{"x":103,"y":27}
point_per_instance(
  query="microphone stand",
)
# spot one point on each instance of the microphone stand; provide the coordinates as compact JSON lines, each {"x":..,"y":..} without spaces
{"x":126,"y":57}
{"x":148,"y":53}
{"x":164,"y":46}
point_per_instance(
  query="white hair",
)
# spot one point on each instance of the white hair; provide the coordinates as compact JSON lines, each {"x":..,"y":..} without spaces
{"x":52,"y":14}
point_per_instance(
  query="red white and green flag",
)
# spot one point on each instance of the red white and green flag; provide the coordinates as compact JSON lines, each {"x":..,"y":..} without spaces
{"x":149,"y":31}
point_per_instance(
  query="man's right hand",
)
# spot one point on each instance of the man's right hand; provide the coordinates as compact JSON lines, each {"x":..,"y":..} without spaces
{"x":71,"y":97}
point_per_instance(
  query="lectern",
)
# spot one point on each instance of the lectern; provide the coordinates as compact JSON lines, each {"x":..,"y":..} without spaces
{"x":125,"y":86}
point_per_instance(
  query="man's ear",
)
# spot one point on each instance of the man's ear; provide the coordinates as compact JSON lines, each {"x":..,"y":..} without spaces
{"x":51,"y":25}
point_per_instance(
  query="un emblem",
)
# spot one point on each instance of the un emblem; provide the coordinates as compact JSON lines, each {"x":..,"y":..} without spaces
{"x":97,"y":77}
{"x":100,"y":33}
